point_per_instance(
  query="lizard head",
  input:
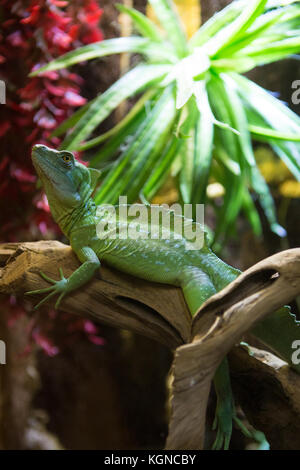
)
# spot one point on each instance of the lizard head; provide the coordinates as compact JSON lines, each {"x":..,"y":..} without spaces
{"x":68,"y":184}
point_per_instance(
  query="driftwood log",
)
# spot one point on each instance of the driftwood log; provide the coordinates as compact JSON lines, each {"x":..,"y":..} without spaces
{"x":160,"y":312}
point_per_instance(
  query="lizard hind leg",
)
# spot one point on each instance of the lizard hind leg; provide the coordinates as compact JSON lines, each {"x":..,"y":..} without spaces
{"x":197,"y":288}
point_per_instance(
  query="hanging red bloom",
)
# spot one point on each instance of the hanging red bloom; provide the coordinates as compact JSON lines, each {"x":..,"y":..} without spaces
{"x":32,"y":33}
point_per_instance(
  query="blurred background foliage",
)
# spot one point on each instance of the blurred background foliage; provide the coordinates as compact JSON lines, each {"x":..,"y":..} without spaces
{"x":89,"y":387}
{"x":197,"y":114}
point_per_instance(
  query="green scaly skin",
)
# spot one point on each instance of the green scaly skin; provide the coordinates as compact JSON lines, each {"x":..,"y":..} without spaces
{"x":200,"y":273}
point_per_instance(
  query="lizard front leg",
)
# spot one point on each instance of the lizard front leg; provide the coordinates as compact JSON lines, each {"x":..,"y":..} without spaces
{"x":90,"y":264}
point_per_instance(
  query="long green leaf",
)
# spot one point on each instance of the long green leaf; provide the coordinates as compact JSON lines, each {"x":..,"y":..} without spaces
{"x":235,"y":29}
{"x":161,"y":169}
{"x":134,"y":44}
{"x":204,"y":133}
{"x":202,"y":100}
{"x":187,"y":152}
{"x":287,"y":151}
{"x":266,"y":134}
{"x":187,"y":166}
{"x":216,"y":23}
{"x":170,"y":21}
{"x":184,"y":72}
{"x":120,"y":142}
{"x":275,"y":112}
{"x":123,"y":139}
{"x":267,"y":21}
{"x":144,"y":25}
{"x":251,"y":213}
{"x":239,"y":119}
{"x":290,"y":155}
{"x":227,"y":144}
{"x":128,"y":85}
{"x":217,"y":95}
{"x":143,"y":143}
{"x":232,"y":203}
{"x":132,"y":114}
{"x":222,"y":156}
{"x":254,"y":177}
{"x":277,"y":115}
{"x":282,"y":48}
{"x":266,"y":201}
{"x":141,"y":167}
{"x":279,"y":3}
{"x":289,"y":22}
{"x":183,"y":121}
{"x":237,"y":64}
{"x":71,"y":121}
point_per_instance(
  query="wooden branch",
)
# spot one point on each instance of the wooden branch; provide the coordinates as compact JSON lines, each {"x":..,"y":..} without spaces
{"x":160,"y":312}
{"x":114,"y":298}
{"x":217,"y":327}
{"x":268,"y":391}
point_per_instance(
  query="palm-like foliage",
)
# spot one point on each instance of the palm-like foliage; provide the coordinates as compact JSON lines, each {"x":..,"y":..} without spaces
{"x":197,"y":114}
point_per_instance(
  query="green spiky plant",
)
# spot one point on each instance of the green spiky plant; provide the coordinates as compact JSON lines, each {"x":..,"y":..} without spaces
{"x":197,"y":114}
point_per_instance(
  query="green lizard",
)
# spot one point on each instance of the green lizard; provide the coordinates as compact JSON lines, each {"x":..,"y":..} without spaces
{"x":200,"y":273}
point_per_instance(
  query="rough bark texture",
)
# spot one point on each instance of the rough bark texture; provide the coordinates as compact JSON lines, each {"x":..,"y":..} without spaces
{"x":268,"y":391}
{"x":220,"y":323}
{"x":126,"y":302}
{"x":159,"y":312}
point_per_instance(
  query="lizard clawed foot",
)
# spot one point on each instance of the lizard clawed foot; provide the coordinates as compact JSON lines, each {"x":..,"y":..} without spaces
{"x":225,"y":413}
{"x":224,"y":418}
{"x":58,"y":287}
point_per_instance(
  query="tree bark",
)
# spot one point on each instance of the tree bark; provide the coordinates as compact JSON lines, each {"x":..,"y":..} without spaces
{"x":267,"y":390}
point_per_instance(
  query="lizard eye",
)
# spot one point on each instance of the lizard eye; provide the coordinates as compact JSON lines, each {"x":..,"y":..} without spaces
{"x":66,"y":158}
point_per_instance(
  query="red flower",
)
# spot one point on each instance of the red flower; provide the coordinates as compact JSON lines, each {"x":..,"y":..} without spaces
{"x":59,"y":3}
{"x":33,"y":17}
{"x":22,"y":175}
{"x":4,"y":128}
{"x":57,"y":89}
{"x":43,"y":203}
{"x":92,"y":36}
{"x":59,"y":38}
{"x":97,"y":340}
{"x":44,"y":342}
{"x":91,"y":14}
{"x":16,"y":39}
{"x":90,"y":327}
{"x":73,"y":99}
{"x":32,"y":33}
